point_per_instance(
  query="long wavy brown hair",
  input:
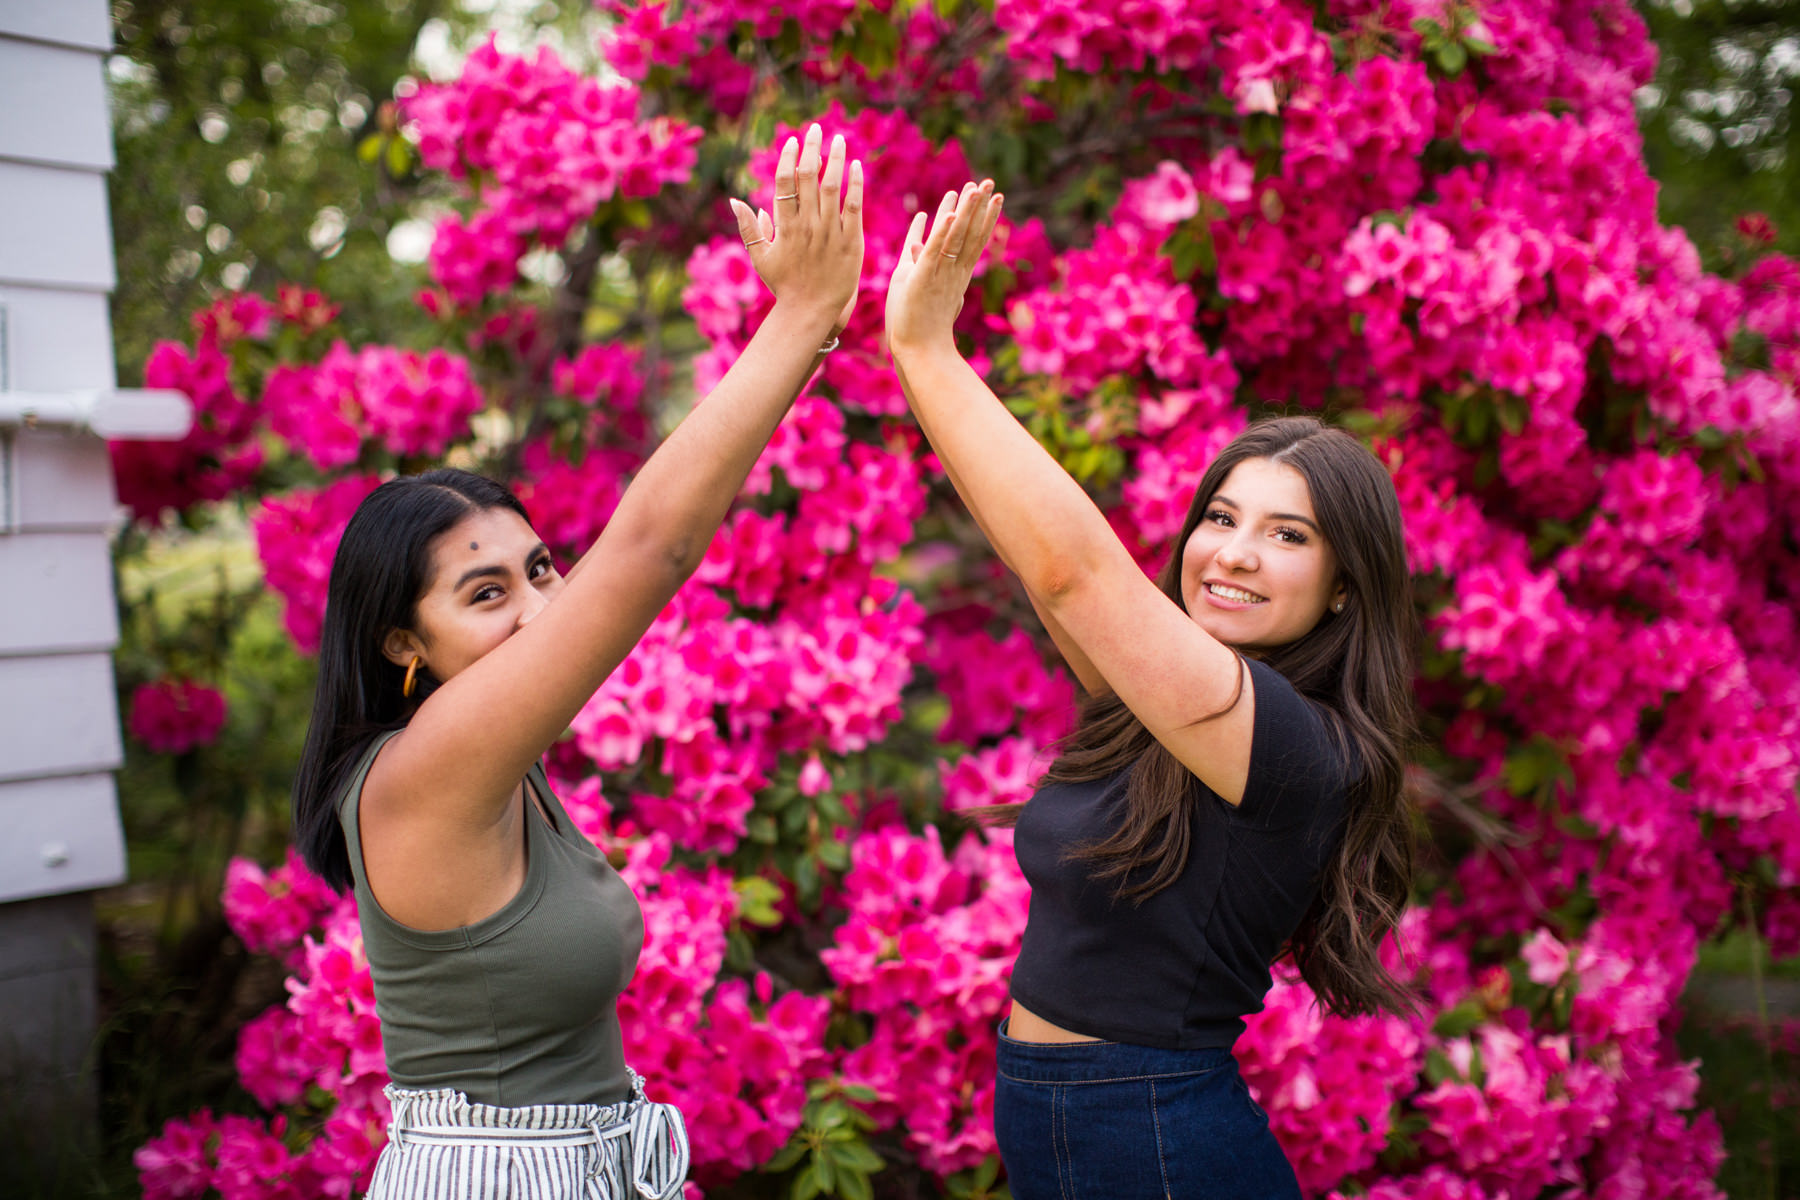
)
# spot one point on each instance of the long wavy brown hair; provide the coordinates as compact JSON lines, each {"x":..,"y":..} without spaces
{"x":1356,"y":666}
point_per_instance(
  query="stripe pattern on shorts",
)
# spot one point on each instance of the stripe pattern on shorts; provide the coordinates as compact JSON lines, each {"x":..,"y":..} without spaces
{"x":443,"y":1146}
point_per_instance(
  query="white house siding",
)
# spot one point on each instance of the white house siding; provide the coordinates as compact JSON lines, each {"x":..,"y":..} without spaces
{"x":60,"y":836}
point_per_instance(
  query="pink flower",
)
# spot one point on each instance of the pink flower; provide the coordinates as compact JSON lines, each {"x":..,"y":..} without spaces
{"x":174,"y":716}
{"x":1546,"y":959}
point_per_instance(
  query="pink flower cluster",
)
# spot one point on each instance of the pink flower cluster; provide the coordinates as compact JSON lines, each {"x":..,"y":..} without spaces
{"x":271,"y":911}
{"x":413,"y":404}
{"x":735,"y":1059}
{"x":827,"y":675}
{"x":173,"y":716}
{"x":327,"y":1035}
{"x":1144,"y":35}
{"x":218,"y":456}
{"x":925,"y":954}
{"x":297,"y":536}
{"x":544,"y":147}
{"x":997,"y":685}
{"x":701,"y":44}
{"x":1331,"y":1087}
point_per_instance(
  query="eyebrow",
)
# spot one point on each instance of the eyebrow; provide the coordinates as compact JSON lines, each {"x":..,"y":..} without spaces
{"x":1306,"y":521}
{"x":474,"y":573}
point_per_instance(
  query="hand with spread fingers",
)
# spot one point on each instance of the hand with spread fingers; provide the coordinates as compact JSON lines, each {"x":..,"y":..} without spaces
{"x":932,"y":277}
{"x":808,"y":246}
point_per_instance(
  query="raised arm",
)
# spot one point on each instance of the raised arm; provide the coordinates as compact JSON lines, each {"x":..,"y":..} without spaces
{"x":1169,"y":671}
{"x":470,"y":743}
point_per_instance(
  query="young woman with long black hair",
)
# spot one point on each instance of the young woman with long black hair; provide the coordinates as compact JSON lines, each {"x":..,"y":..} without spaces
{"x":453,"y":655}
{"x":1232,"y":790}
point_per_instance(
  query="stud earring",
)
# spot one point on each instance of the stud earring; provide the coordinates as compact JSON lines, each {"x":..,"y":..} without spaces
{"x":412,"y":673}
{"x":1338,"y":607}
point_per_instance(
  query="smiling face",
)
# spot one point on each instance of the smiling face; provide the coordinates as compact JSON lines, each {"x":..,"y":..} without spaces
{"x":491,"y":574}
{"x":1256,"y":572}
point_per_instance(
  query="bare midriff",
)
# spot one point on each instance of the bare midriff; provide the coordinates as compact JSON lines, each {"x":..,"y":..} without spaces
{"x":1023,"y":1025}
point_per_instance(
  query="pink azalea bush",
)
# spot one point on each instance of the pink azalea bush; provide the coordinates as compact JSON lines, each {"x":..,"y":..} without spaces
{"x":1428,"y":221}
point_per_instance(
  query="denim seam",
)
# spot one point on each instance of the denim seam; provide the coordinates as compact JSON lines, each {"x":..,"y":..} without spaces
{"x":1162,"y":1158}
{"x":1060,"y":1135}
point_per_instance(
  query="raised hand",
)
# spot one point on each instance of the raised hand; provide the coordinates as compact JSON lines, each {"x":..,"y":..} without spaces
{"x":808,"y":247}
{"x":932,"y":277}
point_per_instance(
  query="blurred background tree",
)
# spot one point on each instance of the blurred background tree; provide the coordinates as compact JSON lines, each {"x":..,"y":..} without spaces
{"x":1719,"y":128}
{"x":254,"y":148}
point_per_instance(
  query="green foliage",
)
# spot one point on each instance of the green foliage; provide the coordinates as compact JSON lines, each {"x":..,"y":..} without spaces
{"x":1451,"y":46}
{"x":978,"y":1183}
{"x":830,"y":1154}
{"x":236,"y":124}
{"x":1719,"y":129}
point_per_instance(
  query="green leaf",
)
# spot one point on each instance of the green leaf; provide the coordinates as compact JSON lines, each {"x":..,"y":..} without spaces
{"x":806,"y":1186}
{"x":854,"y":1185}
{"x":761,"y":829}
{"x":787,"y":1158}
{"x":806,"y":878}
{"x":369,"y":149}
{"x":834,"y":855}
{"x":831,"y":807}
{"x":825,"y":1171}
{"x":1481,"y":46}
{"x":757,"y":898}
{"x":399,"y":157}
{"x":1455,"y":1022}
{"x":1438,"y":1068}
{"x":1452,"y":58}
{"x":635,"y":213}
{"x":859,"y":1156}
{"x":794,"y":819}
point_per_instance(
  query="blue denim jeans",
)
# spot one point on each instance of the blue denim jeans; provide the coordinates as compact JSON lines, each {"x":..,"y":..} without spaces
{"x":1112,"y":1121}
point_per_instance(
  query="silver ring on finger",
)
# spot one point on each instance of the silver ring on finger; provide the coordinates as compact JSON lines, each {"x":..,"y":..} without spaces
{"x":754,"y":241}
{"x":948,"y":255}
{"x":789,"y":196}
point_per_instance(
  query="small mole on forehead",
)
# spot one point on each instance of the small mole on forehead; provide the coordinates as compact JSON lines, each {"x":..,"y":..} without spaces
{"x":474,"y":545}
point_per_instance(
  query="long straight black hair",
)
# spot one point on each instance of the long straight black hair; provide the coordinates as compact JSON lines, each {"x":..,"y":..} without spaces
{"x":382,"y":567}
{"x":1355,"y":666}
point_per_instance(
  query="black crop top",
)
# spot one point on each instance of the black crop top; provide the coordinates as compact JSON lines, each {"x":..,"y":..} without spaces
{"x":1184,"y":968}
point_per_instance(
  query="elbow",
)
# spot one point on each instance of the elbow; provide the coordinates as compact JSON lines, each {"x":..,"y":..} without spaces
{"x":661,"y":559}
{"x":1056,"y":582}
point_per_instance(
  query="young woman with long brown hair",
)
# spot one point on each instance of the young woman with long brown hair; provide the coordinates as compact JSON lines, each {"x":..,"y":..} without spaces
{"x":1232,"y":791}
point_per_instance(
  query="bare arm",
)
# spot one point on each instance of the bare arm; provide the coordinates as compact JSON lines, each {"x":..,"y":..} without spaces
{"x":1168,"y":670}
{"x":469,"y":744}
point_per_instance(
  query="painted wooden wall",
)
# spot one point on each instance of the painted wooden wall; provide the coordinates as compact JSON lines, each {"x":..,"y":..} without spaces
{"x":60,"y":836}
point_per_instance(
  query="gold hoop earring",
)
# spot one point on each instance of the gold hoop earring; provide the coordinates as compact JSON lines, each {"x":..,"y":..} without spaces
{"x":412,"y":678}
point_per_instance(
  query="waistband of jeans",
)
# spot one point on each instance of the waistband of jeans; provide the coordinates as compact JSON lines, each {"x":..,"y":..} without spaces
{"x":1094,"y":1062}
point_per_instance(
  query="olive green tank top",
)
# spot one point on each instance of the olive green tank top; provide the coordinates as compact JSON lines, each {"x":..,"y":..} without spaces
{"x":519,"y":1008}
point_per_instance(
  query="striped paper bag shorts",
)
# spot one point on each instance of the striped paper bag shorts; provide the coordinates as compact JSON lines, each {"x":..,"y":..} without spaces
{"x":443,"y":1146}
